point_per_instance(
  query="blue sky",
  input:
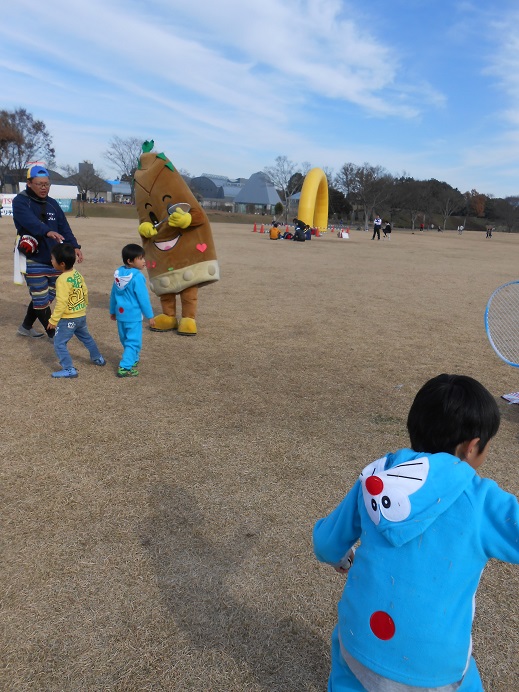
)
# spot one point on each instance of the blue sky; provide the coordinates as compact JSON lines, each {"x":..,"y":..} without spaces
{"x":425,"y":87}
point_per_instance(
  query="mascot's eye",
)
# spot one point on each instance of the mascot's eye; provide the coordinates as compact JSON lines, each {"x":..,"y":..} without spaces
{"x":386,"y":502}
{"x":373,"y":505}
{"x":153,"y":218}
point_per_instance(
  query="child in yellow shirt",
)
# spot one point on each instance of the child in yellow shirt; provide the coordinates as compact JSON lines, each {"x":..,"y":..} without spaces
{"x":69,"y":315}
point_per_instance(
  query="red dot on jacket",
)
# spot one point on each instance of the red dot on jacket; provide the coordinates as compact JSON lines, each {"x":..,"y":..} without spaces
{"x":382,"y":625}
{"x":121,"y":309}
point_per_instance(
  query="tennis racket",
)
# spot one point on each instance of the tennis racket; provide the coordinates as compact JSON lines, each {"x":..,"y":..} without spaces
{"x":502,"y":322}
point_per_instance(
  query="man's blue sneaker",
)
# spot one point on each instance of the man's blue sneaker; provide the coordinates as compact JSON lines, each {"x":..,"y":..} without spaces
{"x":99,"y":361}
{"x":68,"y":372}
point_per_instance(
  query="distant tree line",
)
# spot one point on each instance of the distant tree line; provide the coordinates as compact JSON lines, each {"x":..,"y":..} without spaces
{"x":358,"y":192}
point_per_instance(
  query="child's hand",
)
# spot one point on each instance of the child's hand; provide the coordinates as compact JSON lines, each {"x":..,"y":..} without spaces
{"x":347,"y":561}
{"x":50,"y":327}
{"x":112,"y":317}
{"x":152,"y":323}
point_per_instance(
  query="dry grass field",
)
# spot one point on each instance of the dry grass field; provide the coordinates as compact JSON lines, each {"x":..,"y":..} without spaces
{"x":156,"y":531}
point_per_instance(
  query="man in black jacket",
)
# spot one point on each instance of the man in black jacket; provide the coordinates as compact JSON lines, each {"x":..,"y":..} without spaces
{"x":40,"y":217}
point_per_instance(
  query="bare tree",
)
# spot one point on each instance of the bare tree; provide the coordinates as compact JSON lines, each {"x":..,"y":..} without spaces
{"x":506,"y":213}
{"x":365,"y":186}
{"x":448,"y":200}
{"x":124,"y":155}
{"x":282,"y":176}
{"x":305,"y":167}
{"x":86,"y":177}
{"x":410,"y":195}
{"x":9,"y":136}
{"x":22,"y":140}
{"x":328,"y":171}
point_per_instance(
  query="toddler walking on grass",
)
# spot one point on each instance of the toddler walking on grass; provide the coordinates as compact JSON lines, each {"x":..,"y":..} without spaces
{"x":69,"y":315}
{"x":129,"y":301}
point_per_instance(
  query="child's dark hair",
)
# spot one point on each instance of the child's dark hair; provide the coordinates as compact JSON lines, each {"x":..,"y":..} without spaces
{"x":131,"y":252}
{"x":449,"y":410}
{"x":64,"y":252}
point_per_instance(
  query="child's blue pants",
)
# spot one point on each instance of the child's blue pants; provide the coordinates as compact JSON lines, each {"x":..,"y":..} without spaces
{"x":130,"y":335}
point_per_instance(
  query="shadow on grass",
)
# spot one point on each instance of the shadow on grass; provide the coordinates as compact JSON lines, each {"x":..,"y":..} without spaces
{"x":193,"y":575}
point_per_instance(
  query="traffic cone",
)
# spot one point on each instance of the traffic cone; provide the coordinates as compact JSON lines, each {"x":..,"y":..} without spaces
{"x":262,"y":229}
{"x":254,"y":230}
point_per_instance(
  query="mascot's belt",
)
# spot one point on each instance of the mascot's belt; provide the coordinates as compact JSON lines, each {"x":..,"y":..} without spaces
{"x":177,"y":280}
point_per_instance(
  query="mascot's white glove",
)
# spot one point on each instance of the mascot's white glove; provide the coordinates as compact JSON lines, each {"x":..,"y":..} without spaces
{"x":179,"y":219}
{"x":147,"y":229}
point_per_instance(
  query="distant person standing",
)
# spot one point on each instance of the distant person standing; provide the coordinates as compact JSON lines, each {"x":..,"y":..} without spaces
{"x":41,"y":220}
{"x":489,"y":231}
{"x":421,"y":228}
{"x":377,"y":225}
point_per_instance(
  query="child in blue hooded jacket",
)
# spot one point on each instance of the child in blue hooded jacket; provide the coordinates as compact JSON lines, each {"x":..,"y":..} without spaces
{"x":427,"y":525}
{"x":129,"y":301}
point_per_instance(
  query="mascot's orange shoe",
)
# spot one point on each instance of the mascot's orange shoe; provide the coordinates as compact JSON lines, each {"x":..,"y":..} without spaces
{"x":187,"y":326}
{"x":164,"y":323}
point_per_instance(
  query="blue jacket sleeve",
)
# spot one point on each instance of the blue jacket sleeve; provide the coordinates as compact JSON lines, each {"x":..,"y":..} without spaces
{"x":141,"y":292}
{"x":334,"y":535}
{"x":112,"y":300}
{"x":500,"y":524}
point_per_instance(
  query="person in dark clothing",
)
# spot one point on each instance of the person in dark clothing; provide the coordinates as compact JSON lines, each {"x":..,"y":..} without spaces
{"x":41,"y":219}
{"x":300,"y":228}
{"x":377,"y":225}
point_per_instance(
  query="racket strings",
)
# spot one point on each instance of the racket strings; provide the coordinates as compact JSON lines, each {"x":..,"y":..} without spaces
{"x":503,"y":322}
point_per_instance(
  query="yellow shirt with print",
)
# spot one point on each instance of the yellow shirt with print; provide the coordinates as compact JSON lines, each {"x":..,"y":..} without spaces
{"x":71,"y":297}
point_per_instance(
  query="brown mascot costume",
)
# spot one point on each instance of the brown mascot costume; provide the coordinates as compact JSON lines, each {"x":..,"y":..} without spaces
{"x":177,"y":240}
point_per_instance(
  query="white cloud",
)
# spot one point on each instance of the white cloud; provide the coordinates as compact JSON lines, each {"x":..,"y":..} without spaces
{"x":242,"y":82}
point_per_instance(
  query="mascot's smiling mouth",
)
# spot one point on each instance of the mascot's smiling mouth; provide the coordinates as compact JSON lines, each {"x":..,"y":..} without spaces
{"x":167,"y":244}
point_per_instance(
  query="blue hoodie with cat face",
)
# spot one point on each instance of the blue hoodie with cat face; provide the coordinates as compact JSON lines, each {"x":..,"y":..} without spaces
{"x":427,"y":525}
{"x":129,"y":298}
